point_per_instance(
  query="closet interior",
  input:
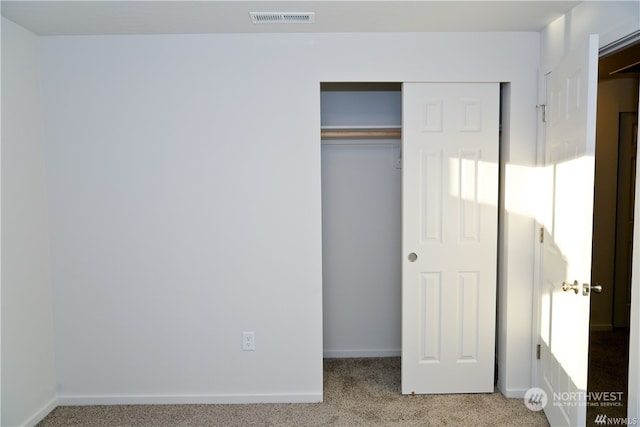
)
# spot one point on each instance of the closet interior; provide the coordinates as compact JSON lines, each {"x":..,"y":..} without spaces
{"x":361,"y":208}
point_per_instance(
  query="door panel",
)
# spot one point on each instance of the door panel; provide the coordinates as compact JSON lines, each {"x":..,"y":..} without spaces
{"x":566,"y":246}
{"x":450,"y":194}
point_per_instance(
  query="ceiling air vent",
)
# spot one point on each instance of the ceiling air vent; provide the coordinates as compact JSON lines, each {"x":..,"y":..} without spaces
{"x":282,"y":17}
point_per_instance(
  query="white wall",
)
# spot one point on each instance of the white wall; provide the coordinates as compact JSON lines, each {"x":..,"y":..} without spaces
{"x":28,"y":373}
{"x":612,"y":20}
{"x":361,"y":250}
{"x":185,"y":204}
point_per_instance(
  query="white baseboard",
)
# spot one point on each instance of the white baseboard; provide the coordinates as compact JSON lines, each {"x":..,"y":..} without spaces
{"x":513,"y":393}
{"x":348,"y":354}
{"x":189,"y":399}
{"x":42,"y":413}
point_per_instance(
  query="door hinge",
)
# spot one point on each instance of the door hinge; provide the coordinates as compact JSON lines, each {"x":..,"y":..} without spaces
{"x":541,"y":234}
{"x":543,"y":107}
{"x":538,"y":352}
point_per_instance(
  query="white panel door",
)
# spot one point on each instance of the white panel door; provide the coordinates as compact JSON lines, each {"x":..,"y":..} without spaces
{"x":449,"y":236}
{"x":566,"y":247}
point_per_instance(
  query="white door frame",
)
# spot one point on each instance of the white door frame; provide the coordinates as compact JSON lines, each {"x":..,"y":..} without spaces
{"x":633,"y":403}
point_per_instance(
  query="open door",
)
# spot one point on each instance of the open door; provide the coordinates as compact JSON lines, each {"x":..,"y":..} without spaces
{"x":566,"y":216}
{"x":449,"y":236}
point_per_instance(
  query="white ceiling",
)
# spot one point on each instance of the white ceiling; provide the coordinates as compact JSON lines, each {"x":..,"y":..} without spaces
{"x":52,"y":17}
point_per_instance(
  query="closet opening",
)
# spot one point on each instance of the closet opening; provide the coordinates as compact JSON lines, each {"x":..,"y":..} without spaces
{"x":361,"y":167}
{"x":361,"y":216}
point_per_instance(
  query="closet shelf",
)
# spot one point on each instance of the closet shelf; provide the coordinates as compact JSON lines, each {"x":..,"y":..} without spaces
{"x":360,"y":132}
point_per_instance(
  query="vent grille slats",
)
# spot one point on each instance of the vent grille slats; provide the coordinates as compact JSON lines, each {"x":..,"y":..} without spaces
{"x":282,"y":17}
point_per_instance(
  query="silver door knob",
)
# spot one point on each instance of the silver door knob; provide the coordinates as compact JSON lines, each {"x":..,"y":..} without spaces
{"x":596,"y":289}
{"x":412,"y":257}
{"x":566,"y":286}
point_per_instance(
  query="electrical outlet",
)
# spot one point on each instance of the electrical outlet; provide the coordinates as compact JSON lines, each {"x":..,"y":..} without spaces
{"x":248,"y":341}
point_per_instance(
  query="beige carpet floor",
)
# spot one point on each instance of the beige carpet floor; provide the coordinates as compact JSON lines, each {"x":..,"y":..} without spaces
{"x":357,"y":392}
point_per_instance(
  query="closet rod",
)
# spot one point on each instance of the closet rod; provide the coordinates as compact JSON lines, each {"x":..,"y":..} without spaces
{"x":355,"y":133}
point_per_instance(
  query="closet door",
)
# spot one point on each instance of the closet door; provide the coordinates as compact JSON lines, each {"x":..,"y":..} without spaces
{"x":449,"y":236}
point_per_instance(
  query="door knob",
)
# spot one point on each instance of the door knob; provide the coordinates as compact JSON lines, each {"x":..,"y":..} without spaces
{"x":412,"y":257}
{"x":566,"y":286}
{"x":596,"y":289}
